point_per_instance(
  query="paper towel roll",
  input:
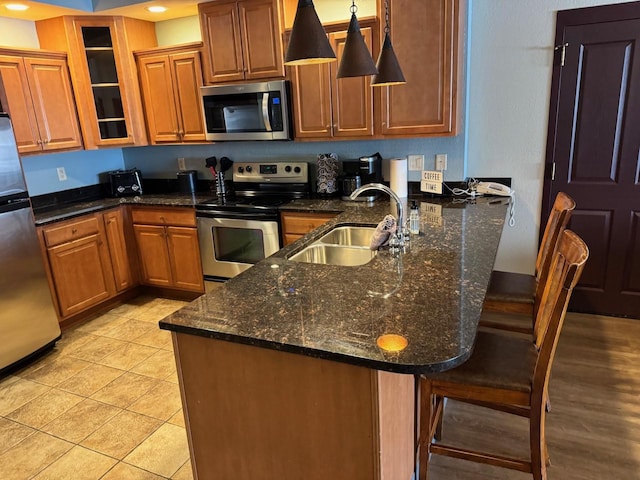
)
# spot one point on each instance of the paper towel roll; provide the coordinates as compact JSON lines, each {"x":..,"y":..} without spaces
{"x":398,"y":175}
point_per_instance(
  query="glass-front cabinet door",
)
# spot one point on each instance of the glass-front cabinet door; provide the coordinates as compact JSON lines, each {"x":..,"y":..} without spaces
{"x":107,"y":95}
{"x":103,"y":73}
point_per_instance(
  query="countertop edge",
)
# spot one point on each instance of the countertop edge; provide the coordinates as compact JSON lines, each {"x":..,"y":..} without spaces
{"x":407,"y":369}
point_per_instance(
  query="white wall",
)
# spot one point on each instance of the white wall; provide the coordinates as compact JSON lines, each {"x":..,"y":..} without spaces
{"x":509,"y":86}
{"x":179,"y":30}
{"x":18,"y":33}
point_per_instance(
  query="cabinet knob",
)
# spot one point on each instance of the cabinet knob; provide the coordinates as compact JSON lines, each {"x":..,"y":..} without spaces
{"x":74,"y":231}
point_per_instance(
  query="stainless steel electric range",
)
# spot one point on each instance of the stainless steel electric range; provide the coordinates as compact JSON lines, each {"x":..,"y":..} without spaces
{"x":236,"y":231}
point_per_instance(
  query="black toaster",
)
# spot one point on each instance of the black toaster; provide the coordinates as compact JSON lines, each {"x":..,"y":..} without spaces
{"x":124,"y":183}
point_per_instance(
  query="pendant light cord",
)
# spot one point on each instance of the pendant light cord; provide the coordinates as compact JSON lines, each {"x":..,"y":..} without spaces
{"x":387,"y":28}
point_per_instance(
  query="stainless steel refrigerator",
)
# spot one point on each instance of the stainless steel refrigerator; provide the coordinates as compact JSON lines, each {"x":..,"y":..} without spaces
{"x":28,"y":321}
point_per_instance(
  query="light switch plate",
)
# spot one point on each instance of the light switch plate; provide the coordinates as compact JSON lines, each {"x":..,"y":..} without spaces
{"x":181,"y":164}
{"x":416,"y":162}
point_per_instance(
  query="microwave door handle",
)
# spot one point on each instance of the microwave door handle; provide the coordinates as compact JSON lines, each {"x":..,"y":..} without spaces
{"x":265,"y":112}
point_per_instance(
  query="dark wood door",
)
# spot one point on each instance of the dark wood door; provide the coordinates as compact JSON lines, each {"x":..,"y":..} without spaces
{"x":593,"y":150}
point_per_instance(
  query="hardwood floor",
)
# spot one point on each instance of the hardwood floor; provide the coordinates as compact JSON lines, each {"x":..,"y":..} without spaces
{"x":593,"y":429}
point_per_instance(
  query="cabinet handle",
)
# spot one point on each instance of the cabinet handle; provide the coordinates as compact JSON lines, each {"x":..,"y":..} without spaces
{"x":74,"y":231}
{"x":38,"y":142}
{"x":162,"y":220}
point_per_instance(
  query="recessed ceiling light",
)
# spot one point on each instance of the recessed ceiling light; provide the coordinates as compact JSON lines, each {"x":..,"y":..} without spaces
{"x":17,"y":7}
{"x":157,"y":9}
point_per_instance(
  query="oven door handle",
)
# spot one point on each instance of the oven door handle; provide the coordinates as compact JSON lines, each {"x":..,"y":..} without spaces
{"x":238,"y":215}
{"x":265,"y":111}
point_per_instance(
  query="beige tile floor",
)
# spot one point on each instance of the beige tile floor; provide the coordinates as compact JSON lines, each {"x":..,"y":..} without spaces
{"x":104,"y":404}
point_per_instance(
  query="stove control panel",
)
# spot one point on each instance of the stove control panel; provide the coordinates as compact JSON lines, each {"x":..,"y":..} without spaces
{"x":276,"y":172}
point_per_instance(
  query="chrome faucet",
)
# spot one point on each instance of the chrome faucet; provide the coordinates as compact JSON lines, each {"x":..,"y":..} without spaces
{"x":399,"y":238}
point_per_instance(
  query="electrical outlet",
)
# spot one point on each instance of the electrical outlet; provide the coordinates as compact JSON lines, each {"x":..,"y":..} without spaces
{"x":416,"y":162}
{"x":62,"y":174}
{"x":181,"y":164}
{"x":441,"y":161}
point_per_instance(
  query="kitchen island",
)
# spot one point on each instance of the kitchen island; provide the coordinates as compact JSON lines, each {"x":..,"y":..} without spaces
{"x":296,"y":370}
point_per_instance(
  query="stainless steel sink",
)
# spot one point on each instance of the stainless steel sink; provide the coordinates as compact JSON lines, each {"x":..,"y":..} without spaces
{"x":349,"y":235}
{"x":334,"y":255}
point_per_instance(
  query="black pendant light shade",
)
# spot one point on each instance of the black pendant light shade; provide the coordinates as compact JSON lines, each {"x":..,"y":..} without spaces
{"x":356,"y":59}
{"x":389,"y":71}
{"x":308,"y":43}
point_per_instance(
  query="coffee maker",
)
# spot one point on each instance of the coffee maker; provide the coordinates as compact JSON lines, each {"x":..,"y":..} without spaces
{"x":365,"y":170}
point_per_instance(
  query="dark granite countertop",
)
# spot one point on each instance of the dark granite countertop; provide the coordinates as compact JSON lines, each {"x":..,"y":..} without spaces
{"x":83,"y":207}
{"x":431,"y":296}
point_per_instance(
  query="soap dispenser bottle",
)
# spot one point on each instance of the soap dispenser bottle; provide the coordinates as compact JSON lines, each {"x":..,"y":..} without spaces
{"x":414,"y":219}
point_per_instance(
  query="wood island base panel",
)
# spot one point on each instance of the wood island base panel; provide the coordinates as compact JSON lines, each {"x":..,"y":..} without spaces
{"x":256,"y":413}
{"x":296,"y":370}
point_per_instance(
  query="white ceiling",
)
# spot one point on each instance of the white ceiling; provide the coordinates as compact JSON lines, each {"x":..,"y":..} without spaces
{"x":128,"y":8}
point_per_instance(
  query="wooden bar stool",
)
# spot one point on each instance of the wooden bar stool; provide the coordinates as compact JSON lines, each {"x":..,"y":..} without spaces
{"x":507,"y":373}
{"x":517,"y":292}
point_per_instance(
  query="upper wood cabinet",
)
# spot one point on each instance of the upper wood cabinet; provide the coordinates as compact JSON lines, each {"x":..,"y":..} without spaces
{"x":327,"y":107}
{"x":425,"y":40}
{"x":103,"y":73}
{"x":36,"y":91}
{"x":170,"y":79}
{"x":242,"y":40}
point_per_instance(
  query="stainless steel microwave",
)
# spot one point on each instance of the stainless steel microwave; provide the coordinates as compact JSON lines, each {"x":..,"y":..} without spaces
{"x":249,"y":111}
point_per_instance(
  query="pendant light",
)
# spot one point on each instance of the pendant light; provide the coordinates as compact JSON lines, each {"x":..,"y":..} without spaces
{"x":389,"y":71}
{"x":356,"y":59}
{"x":308,"y":43}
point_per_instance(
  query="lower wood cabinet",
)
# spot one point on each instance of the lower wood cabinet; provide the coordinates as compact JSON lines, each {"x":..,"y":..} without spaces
{"x":168,"y":250}
{"x":88,"y":260}
{"x":123,"y":260}
{"x":296,"y":225}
